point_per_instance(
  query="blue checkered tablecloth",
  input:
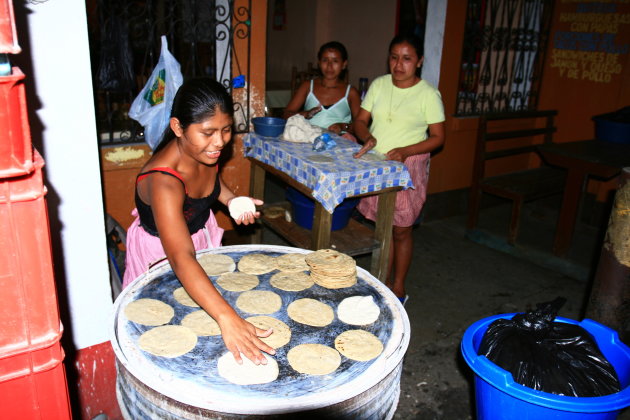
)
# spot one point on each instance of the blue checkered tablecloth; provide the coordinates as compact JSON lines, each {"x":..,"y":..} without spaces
{"x":333,"y":181}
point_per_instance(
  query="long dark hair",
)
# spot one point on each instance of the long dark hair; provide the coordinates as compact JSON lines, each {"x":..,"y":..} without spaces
{"x":412,"y":40}
{"x":195,"y":101}
{"x":334,"y":45}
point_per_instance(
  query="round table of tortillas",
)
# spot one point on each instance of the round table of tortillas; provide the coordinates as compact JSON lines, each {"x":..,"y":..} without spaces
{"x":190,"y":387}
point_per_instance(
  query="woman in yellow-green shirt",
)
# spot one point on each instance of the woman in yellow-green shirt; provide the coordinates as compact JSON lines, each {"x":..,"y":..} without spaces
{"x":402,"y":116}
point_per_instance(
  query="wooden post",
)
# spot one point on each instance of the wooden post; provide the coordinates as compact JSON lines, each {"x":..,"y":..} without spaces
{"x":322,"y":224}
{"x":257,"y":190}
{"x":609,"y":301}
{"x":383,"y":234}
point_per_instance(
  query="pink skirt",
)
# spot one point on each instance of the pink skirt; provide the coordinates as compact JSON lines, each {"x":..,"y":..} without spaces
{"x":144,"y":249}
{"x":409,"y":202}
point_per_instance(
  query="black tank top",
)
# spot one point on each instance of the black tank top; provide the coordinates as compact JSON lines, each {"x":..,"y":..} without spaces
{"x":196,"y":210}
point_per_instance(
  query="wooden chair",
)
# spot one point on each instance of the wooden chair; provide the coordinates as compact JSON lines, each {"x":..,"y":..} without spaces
{"x":509,"y":135}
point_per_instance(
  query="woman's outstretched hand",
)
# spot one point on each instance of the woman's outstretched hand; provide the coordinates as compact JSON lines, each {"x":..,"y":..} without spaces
{"x":241,"y":337}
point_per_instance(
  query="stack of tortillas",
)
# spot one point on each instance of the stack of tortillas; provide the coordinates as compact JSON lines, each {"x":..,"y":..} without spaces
{"x":332,"y":269}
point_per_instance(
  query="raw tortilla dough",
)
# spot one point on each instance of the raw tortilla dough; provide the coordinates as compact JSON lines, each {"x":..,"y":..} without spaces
{"x":248,"y":373}
{"x":314,"y":359}
{"x":168,"y":340}
{"x":311,"y":312}
{"x":293,"y":262}
{"x":241,"y":205}
{"x":150,"y":312}
{"x":201,"y":323}
{"x":181,"y":295}
{"x":237,"y":281}
{"x":259,"y":302}
{"x":297,"y":129}
{"x":358,"y":345}
{"x":216,"y":264}
{"x":291,"y":282}
{"x":281,"y":332}
{"x":358,"y":310}
{"x":256,"y":264}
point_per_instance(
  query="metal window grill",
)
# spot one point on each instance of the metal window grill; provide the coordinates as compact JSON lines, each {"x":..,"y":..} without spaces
{"x":503,"y":55}
{"x":125,"y":46}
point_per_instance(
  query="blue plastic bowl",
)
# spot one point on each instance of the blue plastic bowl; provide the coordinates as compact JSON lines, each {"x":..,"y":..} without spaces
{"x":304,"y":208}
{"x":268,"y":126}
{"x":498,"y":397}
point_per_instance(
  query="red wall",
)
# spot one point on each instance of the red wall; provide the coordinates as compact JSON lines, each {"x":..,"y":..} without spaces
{"x":587,"y":70}
{"x":579,"y":87}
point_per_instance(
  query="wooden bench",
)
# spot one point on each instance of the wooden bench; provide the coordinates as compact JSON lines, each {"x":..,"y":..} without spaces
{"x":508,"y":136}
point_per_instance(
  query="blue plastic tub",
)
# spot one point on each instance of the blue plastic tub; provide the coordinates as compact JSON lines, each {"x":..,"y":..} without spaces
{"x":613,"y":131}
{"x":499,"y":397}
{"x":268,"y":126}
{"x":304,"y":208}
{"x":613,"y":126}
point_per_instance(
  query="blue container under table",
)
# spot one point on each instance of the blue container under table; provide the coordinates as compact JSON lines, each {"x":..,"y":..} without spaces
{"x":304,"y":208}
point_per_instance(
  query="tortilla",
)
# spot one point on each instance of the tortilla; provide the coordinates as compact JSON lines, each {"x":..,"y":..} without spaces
{"x":358,"y":310}
{"x":320,"y":158}
{"x":358,"y":345}
{"x":291,"y":282}
{"x":373,"y":157}
{"x":314,"y":359}
{"x":201,"y":323}
{"x":248,"y":373}
{"x":292,"y":263}
{"x":237,"y":281}
{"x":273,"y":212}
{"x":332,"y":269}
{"x":310,"y":312}
{"x":168,"y":340}
{"x":281,"y":334}
{"x":150,"y":312}
{"x":216,"y":264}
{"x":256,"y":264}
{"x":259,"y":302}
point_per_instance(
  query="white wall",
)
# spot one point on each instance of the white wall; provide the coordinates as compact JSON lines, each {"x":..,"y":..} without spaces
{"x":365,"y":27}
{"x":57,"y":47}
{"x":433,"y":40}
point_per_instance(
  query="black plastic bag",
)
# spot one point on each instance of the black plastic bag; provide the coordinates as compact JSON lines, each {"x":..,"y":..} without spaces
{"x":555,"y":357}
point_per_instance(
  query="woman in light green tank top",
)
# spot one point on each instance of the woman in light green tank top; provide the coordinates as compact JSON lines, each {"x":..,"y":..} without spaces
{"x":327,"y":101}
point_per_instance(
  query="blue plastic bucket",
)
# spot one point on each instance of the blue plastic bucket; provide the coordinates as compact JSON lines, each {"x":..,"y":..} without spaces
{"x":304,"y":208}
{"x":499,"y":397}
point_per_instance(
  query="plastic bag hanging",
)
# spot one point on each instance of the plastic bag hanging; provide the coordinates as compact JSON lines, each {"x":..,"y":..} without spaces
{"x":152,"y":107}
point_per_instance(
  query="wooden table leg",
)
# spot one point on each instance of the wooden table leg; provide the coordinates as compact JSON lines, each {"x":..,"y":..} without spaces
{"x":322,"y":223}
{"x":383,"y":234}
{"x":257,"y":190}
{"x":568,"y":211}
